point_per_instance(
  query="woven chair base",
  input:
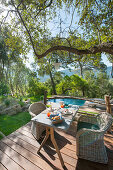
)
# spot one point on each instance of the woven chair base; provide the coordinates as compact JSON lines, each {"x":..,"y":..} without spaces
{"x":94,"y":152}
{"x":37,"y":130}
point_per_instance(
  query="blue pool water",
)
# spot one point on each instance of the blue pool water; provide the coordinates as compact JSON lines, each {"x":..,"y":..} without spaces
{"x":69,"y":101}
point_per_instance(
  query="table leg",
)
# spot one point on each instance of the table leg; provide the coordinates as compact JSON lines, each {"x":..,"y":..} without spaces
{"x":56,"y":146}
{"x":50,"y":131}
{"x":44,"y":140}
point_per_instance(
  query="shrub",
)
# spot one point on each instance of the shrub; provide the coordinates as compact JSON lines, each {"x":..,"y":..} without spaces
{"x":3,"y":88}
{"x":21,"y":99}
{"x":36,"y":88}
{"x":7,"y":102}
{"x":2,"y":98}
{"x":21,"y":103}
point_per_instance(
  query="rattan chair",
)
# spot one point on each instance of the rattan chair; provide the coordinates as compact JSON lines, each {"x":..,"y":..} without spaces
{"x":36,"y":128}
{"x":90,"y":141}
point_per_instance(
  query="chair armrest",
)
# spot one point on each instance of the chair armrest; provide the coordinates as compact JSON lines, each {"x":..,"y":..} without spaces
{"x":88,"y":118}
{"x":75,"y":113}
{"x":85,"y":130}
{"x":32,"y":114}
{"x":88,"y":136}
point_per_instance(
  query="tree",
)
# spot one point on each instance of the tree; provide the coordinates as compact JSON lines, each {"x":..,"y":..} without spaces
{"x":46,"y":67}
{"x":102,"y":84}
{"x":85,"y":63}
{"x":3,"y":56}
{"x":98,"y":84}
{"x":57,"y":77}
{"x":18,"y":79}
{"x":36,"y":88}
{"x":73,"y":83}
{"x":95,"y":21}
{"x":3,"y":88}
{"x":90,"y":77}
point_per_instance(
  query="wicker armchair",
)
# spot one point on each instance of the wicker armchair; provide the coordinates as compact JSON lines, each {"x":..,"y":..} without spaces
{"x":90,"y":134}
{"x":34,"y":110}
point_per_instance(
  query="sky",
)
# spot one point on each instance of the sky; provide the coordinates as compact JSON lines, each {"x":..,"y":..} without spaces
{"x":105,"y":60}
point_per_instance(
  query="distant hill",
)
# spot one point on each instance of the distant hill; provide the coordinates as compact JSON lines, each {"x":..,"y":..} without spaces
{"x":71,"y":72}
{"x":65,"y":72}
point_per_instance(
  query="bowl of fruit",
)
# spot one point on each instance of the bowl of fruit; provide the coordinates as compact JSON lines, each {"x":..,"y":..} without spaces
{"x":56,"y":118}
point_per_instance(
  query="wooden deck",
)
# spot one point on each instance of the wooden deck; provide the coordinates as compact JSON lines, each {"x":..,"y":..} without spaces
{"x":19,"y":151}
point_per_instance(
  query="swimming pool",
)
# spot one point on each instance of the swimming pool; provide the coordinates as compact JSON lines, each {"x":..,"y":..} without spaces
{"x":78,"y":102}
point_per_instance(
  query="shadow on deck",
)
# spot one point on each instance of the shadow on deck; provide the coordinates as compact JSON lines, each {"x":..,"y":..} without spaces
{"x":19,"y":151}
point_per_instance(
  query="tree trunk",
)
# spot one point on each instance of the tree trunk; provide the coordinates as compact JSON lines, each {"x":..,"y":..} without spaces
{"x":112,"y":71}
{"x":52,"y":82}
{"x":45,"y":97}
{"x":81,"y":69}
{"x":108,"y":106}
{"x":83,"y":91}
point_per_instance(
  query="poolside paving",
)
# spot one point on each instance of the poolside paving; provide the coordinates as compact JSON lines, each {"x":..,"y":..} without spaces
{"x":18,"y":151}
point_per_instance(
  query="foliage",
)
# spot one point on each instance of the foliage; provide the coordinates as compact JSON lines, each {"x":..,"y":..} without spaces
{"x":36,"y":88}
{"x":99,"y":85}
{"x":46,"y":67}
{"x":30,"y":28}
{"x":36,"y":98}
{"x":2,"y":98}
{"x":21,"y":103}
{"x":3,"y":88}
{"x":33,"y":19}
{"x":73,"y":83}
{"x":91,"y":80}
{"x":7,"y":102}
{"x":9,"y":124}
{"x":96,"y":18}
{"x":57,"y":77}
{"x":13,"y":72}
{"x":103,"y":85}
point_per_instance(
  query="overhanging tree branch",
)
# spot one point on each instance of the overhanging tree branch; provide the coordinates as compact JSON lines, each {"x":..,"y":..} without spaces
{"x":105,"y":47}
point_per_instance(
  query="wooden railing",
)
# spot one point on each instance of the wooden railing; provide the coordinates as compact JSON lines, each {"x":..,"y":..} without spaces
{"x":108,"y":104}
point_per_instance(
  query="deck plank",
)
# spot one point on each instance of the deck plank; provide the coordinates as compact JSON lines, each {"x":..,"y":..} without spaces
{"x":61,"y":141}
{"x":8,"y":162}
{"x":19,"y":151}
{"x":2,"y":167}
{"x":51,"y":156}
{"x":62,"y":144}
{"x":33,"y":147}
{"x":15,"y":156}
{"x":28,"y":155}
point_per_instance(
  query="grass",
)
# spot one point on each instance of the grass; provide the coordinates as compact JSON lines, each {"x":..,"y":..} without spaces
{"x":9,"y":124}
{"x":36,"y":98}
{"x":1,"y":137}
{"x":87,"y":112}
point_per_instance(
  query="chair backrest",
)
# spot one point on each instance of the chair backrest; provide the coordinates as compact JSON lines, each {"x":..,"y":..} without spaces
{"x":105,"y":121}
{"x":36,"y":108}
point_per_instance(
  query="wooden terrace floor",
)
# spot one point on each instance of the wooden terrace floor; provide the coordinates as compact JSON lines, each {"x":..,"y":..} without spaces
{"x":19,"y":151}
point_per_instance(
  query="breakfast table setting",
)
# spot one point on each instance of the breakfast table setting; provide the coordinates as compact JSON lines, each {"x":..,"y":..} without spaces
{"x":53,"y":118}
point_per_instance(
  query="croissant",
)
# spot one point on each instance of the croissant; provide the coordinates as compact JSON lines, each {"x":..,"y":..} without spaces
{"x":56,"y":117}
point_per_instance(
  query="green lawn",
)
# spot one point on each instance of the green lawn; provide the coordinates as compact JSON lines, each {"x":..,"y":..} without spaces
{"x":9,"y":124}
{"x":87,"y":112}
